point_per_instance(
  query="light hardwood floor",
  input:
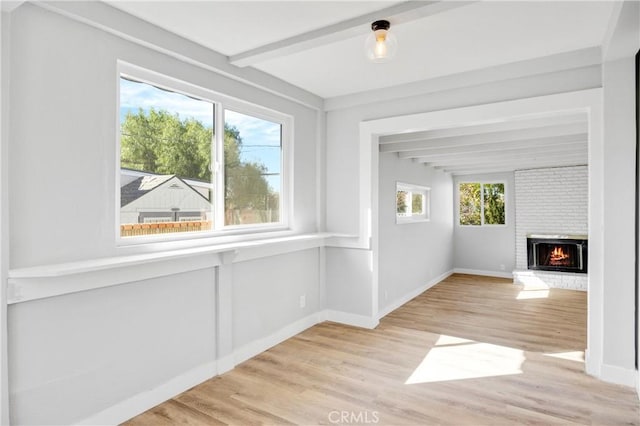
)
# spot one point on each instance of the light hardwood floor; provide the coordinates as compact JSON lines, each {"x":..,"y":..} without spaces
{"x":469,"y":351}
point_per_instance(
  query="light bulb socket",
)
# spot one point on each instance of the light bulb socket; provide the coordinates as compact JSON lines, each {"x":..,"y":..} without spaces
{"x":381,"y":25}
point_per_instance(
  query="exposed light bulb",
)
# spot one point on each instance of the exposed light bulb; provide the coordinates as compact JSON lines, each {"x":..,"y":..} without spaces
{"x":381,"y":51}
{"x":380,"y":45}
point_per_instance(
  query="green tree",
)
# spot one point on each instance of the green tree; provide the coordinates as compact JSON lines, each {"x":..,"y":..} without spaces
{"x":469,"y":204}
{"x":493,"y":195}
{"x":159,"y":142}
{"x":416,"y":203}
{"x":401,"y":202}
{"x":162,"y":143}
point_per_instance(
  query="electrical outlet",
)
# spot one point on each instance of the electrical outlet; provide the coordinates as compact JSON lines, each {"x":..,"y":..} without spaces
{"x":386,"y":295}
{"x":303,"y":301}
{"x":502,"y":267}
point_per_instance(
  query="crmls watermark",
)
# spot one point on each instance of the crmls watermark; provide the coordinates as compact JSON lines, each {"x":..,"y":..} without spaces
{"x":353,"y":417}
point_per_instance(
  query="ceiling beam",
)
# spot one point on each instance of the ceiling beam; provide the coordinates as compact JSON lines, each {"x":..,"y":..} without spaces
{"x":489,"y":167}
{"x":500,"y":169}
{"x":498,"y":146}
{"x":510,"y":159}
{"x":484,"y":138}
{"x":502,"y":125}
{"x":507,"y":153}
{"x":396,"y":14}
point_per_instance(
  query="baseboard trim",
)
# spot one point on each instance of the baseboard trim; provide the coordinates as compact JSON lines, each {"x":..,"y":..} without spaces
{"x":354,"y":320}
{"x":141,"y":402}
{"x":226,"y":363}
{"x":618,"y":375}
{"x":412,"y":294}
{"x":497,"y":274}
{"x":258,"y":346}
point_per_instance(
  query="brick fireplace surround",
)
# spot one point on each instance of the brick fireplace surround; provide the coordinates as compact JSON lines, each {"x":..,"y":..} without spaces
{"x":550,"y":201}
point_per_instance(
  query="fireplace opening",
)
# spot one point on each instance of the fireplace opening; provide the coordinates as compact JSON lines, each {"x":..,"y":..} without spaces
{"x":557,"y":253}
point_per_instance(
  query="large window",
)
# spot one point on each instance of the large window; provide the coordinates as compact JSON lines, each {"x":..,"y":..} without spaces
{"x":191,"y":161}
{"x":481,"y":203}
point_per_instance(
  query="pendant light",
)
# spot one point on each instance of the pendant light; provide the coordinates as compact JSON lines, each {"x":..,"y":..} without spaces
{"x":380,"y":45}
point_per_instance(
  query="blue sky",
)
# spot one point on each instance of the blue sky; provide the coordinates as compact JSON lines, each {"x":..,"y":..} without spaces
{"x":260,"y":138}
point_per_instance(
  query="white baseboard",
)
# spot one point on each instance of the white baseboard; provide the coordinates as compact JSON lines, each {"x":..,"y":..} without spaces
{"x":351,"y":319}
{"x":256,"y":347}
{"x":618,"y":375}
{"x":407,"y":297}
{"x":226,"y":363}
{"x":497,"y":274}
{"x":141,"y":402}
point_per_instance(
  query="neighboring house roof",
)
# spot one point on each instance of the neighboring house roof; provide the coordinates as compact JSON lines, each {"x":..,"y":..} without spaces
{"x":145,"y":184}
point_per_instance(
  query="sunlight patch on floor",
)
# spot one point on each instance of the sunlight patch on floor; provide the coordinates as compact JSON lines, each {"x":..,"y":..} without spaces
{"x":533,"y":294}
{"x":533,"y":288}
{"x":571,"y":355}
{"x":454,"y":358}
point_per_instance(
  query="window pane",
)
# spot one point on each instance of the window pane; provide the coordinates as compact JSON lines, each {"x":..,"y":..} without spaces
{"x":253,"y":164}
{"x":165,"y":161}
{"x":469,"y":203}
{"x":493,"y":194}
{"x":416,"y":204}
{"x":401,"y":203}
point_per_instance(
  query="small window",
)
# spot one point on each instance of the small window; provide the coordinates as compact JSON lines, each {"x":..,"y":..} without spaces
{"x":481,"y":204}
{"x":412,"y":203}
{"x":193,"y":161}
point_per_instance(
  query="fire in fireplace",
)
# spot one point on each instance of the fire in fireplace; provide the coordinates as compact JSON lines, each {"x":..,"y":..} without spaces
{"x":561,"y":253}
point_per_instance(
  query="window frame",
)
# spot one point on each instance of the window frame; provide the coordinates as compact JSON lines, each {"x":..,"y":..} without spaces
{"x":482,"y":183}
{"x":221,"y":103}
{"x":412,"y":189}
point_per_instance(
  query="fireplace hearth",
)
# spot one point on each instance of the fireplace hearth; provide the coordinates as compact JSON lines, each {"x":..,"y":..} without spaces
{"x":559,"y":253}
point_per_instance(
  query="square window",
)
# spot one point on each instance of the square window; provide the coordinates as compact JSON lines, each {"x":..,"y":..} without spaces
{"x":412,"y":203}
{"x":481,"y":204}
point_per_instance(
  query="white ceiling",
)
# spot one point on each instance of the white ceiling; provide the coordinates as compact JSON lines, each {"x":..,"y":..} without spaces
{"x":519,"y":143}
{"x":318,"y":46}
{"x":466,"y":37}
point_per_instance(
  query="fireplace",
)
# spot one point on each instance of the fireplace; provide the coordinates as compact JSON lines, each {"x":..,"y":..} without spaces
{"x":559,"y":253}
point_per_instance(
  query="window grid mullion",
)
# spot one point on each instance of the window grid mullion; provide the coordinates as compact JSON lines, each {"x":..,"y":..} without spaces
{"x":218,"y":155}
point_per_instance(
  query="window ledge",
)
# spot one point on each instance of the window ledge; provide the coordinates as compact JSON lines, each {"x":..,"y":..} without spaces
{"x":38,"y":282}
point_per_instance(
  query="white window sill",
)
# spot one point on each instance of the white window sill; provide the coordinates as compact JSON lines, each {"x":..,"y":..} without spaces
{"x":406,"y":221}
{"x":43,"y":281}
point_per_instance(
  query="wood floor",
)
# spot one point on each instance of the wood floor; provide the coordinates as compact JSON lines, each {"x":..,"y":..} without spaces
{"x":469,"y":351}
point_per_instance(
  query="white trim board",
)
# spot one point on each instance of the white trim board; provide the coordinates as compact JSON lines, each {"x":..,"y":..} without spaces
{"x":412,"y":294}
{"x":256,"y":347}
{"x":484,"y":273}
{"x":618,"y":375}
{"x":143,"y":401}
{"x":353,"y":320}
{"x":39,"y":282}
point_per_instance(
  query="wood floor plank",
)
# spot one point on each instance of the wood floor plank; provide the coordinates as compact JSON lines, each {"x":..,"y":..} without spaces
{"x":469,"y":351}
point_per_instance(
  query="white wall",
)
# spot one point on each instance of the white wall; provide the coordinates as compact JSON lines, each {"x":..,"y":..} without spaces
{"x":345,"y":209}
{"x":411,"y":255}
{"x":619,"y":195}
{"x":486,"y":249}
{"x":76,"y":355}
{"x":67,"y":86}
{"x":119,"y":348}
{"x":4,"y":216}
{"x":267,"y":291}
